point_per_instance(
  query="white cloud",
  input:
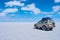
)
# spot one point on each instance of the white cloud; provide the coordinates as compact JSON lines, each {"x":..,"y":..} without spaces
{"x":14,"y":3}
{"x":9,"y":10}
{"x":49,"y":13}
{"x":57,"y":1}
{"x":32,"y":8}
{"x":56,"y":8}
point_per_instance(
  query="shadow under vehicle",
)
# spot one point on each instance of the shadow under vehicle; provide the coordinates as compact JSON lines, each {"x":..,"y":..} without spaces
{"x":46,"y":24}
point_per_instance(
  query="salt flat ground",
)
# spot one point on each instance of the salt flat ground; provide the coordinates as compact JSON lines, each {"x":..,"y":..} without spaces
{"x":26,"y":31}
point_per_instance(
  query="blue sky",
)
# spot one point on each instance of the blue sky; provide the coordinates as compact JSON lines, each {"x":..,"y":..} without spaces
{"x":28,"y":10}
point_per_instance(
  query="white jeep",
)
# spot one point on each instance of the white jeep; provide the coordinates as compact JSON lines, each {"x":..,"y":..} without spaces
{"x":45,"y":24}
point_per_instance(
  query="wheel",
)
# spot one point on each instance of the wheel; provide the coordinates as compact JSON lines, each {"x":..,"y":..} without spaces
{"x":44,"y":27}
{"x":40,"y":28}
{"x":51,"y":28}
{"x":35,"y":26}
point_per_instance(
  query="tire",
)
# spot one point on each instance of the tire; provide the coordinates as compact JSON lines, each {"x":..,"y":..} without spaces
{"x":40,"y":28}
{"x":51,"y":28}
{"x":35,"y":26}
{"x":44,"y":28}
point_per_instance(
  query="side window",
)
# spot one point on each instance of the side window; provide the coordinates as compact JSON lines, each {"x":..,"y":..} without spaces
{"x":44,"y":21}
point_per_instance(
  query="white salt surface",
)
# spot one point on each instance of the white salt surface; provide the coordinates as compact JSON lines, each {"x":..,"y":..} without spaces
{"x":26,"y":31}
